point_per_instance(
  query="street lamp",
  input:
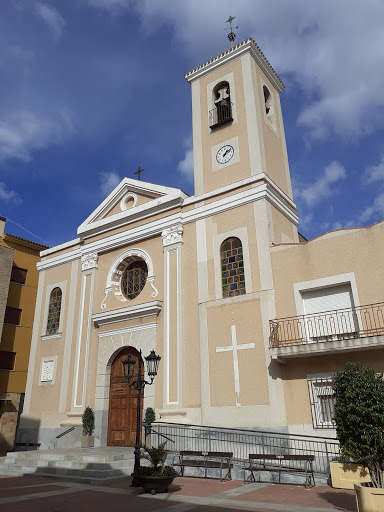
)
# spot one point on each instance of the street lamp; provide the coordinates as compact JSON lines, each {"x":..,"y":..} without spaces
{"x":152,"y":361}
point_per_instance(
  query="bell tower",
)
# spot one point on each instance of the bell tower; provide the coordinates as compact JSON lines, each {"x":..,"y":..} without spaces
{"x":238,"y":129}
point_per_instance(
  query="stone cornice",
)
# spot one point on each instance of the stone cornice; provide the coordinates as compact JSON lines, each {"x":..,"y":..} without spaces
{"x":129,"y":313}
{"x":249,"y":45}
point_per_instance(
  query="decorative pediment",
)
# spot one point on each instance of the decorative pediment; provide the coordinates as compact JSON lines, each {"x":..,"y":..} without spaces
{"x":130,"y":201}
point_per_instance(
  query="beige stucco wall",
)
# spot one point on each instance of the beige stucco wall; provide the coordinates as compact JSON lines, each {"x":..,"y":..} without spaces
{"x":246,"y":316}
{"x":273,"y":136}
{"x":284,"y":230}
{"x":191,"y":345}
{"x":295,"y":373}
{"x":45,"y":397}
{"x":357,"y":251}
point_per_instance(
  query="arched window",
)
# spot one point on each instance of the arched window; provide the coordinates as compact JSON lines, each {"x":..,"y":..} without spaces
{"x":268,"y":104}
{"x":134,"y":278}
{"x":54,"y":311}
{"x":232,"y":268}
{"x":222,"y":113}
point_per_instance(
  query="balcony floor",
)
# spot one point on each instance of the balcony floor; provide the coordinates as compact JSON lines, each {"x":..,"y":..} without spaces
{"x":327,"y":347}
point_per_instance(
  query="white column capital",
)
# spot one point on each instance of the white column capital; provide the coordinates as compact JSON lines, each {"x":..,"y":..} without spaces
{"x":89,"y":261}
{"x":173,"y":235}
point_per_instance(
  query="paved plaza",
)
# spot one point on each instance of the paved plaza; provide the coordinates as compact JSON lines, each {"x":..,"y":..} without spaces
{"x":45,"y":494}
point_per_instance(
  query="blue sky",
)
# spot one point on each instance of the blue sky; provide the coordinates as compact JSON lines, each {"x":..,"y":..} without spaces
{"x":91,"y":89}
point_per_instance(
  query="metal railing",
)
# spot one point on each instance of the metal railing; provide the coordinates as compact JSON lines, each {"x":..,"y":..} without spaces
{"x":65,"y":432}
{"x":243,"y":442}
{"x":220,"y":115}
{"x":339,"y":324}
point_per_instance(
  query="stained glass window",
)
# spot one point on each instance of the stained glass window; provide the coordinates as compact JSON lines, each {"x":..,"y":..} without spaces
{"x":134,"y":279}
{"x":232,"y":268}
{"x":54,"y":311}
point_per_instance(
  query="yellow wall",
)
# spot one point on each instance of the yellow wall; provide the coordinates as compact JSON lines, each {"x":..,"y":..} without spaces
{"x":18,"y":338}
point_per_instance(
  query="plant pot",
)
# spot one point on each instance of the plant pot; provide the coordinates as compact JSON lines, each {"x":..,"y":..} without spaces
{"x":345,"y":475}
{"x":154,"y":484}
{"x":87,"y":441}
{"x":369,"y":499}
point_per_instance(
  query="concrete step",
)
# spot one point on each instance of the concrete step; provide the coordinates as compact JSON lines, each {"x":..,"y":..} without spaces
{"x":16,"y":457}
{"x":89,"y":473}
{"x":94,"y":466}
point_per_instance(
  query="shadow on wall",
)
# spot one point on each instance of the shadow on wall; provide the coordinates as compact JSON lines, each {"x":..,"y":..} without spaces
{"x":28,"y":431}
{"x":8,"y":420}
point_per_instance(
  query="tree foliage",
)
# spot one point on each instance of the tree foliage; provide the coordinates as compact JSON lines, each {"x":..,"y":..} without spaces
{"x":88,"y":420}
{"x":359,"y":418}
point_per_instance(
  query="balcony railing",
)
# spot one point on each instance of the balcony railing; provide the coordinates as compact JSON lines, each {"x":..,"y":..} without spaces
{"x":220,"y":115}
{"x":339,"y":324}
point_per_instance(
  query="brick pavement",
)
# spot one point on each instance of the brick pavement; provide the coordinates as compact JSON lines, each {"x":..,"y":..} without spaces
{"x":39,"y":494}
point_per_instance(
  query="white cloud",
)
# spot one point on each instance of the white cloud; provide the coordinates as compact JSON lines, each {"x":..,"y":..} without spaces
{"x":376,"y":209}
{"x":108,"y":181}
{"x":332,"y":52}
{"x":23,"y":132}
{"x":9,"y":195}
{"x":323,"y":187}
{"x":375,"y":173}
{"x":185,"y":166}
{"x":52,"y":18}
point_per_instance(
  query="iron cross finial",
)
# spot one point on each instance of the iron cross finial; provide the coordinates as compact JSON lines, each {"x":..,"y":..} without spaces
{"x":231,"y":35}
{"x":138,"y":172}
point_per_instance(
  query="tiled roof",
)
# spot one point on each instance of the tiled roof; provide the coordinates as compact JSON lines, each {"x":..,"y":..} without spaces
{"x":232,"y":50}
{"x":24,"y":241}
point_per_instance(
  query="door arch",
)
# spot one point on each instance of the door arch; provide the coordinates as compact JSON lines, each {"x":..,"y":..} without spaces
{"x":123,"y":402}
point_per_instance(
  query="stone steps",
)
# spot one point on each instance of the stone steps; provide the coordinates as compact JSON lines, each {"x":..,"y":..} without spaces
{"x":93,"y":466}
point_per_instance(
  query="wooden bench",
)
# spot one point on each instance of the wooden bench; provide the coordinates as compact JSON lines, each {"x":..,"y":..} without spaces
{"x":280,"y":463}
{"x":205,"y":460}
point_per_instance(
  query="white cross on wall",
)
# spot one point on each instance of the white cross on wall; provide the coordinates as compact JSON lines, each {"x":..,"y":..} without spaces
{"x":234,"y":348}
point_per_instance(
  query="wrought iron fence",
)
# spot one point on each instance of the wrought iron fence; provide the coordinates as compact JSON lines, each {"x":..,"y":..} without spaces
{"x":243,"y":442}
{"x":339,"y":324}
{"x":220,"y":115}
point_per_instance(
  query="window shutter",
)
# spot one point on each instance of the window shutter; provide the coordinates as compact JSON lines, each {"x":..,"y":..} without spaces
{"x":19,"y":275}
{"x":324,"y":318}
{"x":7,"y":360}
{"x":12,"y":316}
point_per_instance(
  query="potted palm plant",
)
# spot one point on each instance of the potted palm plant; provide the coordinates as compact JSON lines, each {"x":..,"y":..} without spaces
{"x":359,"y":418}
{"x":88,"y":420}
{"x":156,"y":477}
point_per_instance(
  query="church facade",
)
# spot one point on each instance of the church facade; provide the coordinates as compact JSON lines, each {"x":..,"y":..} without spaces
{"x":249,"y":320}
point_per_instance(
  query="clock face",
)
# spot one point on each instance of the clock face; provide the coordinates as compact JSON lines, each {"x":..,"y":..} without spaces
{"x":225,"y":154}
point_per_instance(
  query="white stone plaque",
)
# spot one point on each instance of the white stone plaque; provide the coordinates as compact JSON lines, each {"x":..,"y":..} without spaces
{"x":47,"y":371}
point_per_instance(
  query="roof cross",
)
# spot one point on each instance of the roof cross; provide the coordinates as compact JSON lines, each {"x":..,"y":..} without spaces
{"x":138,"y":172}
{"x":231,"y":35}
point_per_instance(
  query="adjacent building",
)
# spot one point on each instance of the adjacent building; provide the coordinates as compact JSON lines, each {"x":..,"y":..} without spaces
{"x":18,"y":289}
{"x":250,"y":320}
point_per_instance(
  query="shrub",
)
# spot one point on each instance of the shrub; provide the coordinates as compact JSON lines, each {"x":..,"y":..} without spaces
{"x":150,"y":416}
{"x":88,"y":420}
{"x":157,"y":457}
{"x":359,"y":418}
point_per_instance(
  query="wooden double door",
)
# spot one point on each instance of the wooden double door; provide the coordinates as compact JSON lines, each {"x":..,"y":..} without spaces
{"x":123,"y":403}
